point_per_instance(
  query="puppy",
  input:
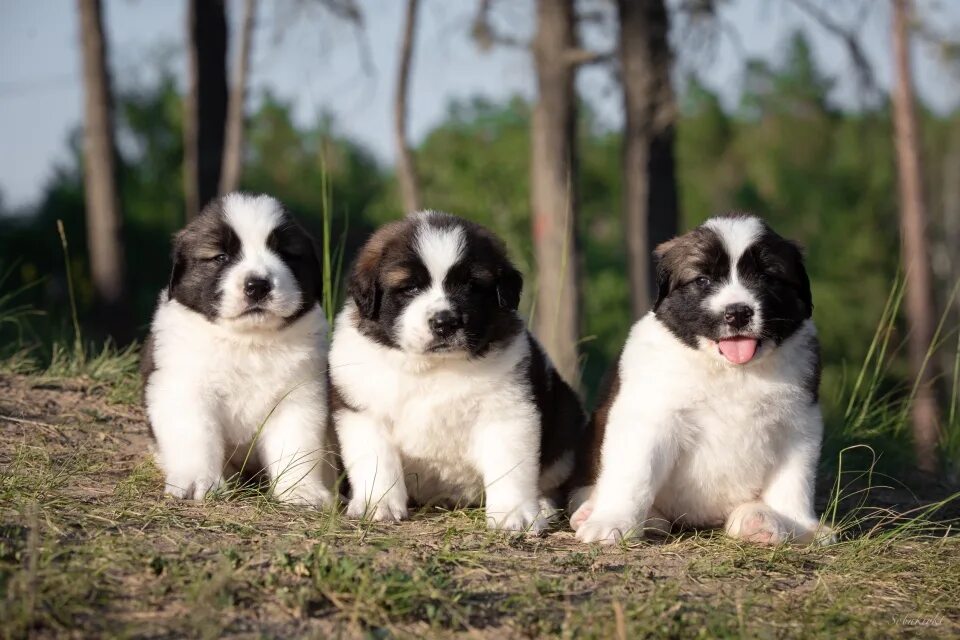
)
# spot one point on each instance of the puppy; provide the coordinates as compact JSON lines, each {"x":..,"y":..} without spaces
{"x":234,"y":366}
{"x":711,"y":417}
{"x":439,"y":392}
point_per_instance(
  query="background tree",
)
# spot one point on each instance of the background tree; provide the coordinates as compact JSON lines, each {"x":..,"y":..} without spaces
{"x":649,"y":181}
{"x":406,"y":164}
{"x":235,"y":127}
{"x":103,"y":216}
{"x":915,"y":250}
{"x":553,"y":189}
{"x":206,"y":102}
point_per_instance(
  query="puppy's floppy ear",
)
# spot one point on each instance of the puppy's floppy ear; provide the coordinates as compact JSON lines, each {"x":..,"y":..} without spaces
{"x":509,"y":287}
{"x":179,"y":263}
{"x":803,"y":280}
{"x":365,"y":291}
{"x":664,"y":271}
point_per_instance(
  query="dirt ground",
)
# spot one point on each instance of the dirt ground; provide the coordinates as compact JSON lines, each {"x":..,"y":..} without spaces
{"x":89,"y":547}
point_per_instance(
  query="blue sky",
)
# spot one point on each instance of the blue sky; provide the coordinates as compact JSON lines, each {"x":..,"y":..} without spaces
{"x":303,"y":55}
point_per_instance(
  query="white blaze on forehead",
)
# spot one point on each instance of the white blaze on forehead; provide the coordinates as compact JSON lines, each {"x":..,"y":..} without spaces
{"x":736,"y":234}
{"x":252,"y":218}
{"x":439,"y":248}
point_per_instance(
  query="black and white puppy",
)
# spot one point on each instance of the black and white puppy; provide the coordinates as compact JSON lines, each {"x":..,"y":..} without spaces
{"x":235,"y":365}
{"x":440,"y":395}
{"x":711,"y":417}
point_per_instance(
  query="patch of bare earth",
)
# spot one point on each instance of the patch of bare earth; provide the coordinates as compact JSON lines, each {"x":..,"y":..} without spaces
{"x":89,"y":546}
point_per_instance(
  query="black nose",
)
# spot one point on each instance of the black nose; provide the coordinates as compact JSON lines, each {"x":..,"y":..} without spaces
{"x":738,"y":315}
{"x":444,"y":323}
{"x":256,"y":288}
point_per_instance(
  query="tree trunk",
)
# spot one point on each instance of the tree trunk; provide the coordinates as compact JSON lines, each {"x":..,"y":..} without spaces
{"x":649,"y":182}
{"x":233,"y":146}
{"x":406,"y":166}
{"x":206,"y":102}
{"x":553,"y":187}
{"x":104,"y":220}
{"x":913,"y":224}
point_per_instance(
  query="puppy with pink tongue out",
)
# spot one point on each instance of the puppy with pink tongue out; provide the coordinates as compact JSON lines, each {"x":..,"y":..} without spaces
{"x":711,"y":415}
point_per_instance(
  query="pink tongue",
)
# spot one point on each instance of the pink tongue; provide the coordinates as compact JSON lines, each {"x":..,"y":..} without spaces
{"x":738,"y":350}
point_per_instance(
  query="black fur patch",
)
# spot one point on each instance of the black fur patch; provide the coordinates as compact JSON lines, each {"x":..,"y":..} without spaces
{"x":812,"y":381}
{"x":147,"y":366}
{"x":562,"y":419}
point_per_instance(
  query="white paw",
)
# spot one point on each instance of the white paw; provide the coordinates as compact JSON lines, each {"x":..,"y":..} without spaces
{"x":390,"y":508}
{"x":306,"y":494}
{"x":186,"y":488}
{"x":607,"y":529}
{"x":581,"y":515}
{"x":824,"y":535}
{"x":758,"y":524}
{"x":529,"y":517}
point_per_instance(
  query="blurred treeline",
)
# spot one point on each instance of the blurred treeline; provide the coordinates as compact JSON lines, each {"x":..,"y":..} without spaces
{"x":820,"y":174}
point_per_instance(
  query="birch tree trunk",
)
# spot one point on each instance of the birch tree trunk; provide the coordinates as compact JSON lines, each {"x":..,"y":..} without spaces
{"x":915,"y":249}
{"x":406,"y":165}
{"x":649,"y":181}
{"x":235,"y":128}
{"x":103,"y":217}
{"x":553,"y":187}
{"x":206,"y":102}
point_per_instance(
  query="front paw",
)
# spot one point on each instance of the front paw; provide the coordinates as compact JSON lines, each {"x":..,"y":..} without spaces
{"x":581,"y":515}
{"x":306,"y":494}
{"x":757,"y":523}
{"x":186,"y":487}
{"x":530,"y":517}
{"x":820,"y":535}
{"x":392,"y":507}
{"x":607,"y":529}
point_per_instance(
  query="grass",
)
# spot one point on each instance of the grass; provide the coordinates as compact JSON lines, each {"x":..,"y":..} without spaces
{"x":89,"y":546}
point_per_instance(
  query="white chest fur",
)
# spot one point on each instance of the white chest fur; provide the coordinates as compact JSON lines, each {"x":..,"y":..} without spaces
{"x":433,"y":411}
{"x":241,"y":378}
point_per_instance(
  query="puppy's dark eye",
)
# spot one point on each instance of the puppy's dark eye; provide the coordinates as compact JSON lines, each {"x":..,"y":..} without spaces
{"x":477,"y":285}
{"x":220,"y":258}
{"x":702,"y":281}
{"x":407,"y":291}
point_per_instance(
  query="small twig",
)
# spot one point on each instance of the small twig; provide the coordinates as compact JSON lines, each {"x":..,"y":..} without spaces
{"x":35,"y":423}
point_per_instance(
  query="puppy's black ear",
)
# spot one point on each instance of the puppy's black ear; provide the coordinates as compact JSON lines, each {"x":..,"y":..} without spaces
{"x":364,"y":283}
{"x":803,"y":280}
{"x":509,"y":288}
{"x":365,"y":291}
{"x":664,"y":271}
{"x":179,"y":264}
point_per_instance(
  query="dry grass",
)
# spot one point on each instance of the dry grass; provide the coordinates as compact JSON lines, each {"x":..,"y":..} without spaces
{"x":90,"y":547}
